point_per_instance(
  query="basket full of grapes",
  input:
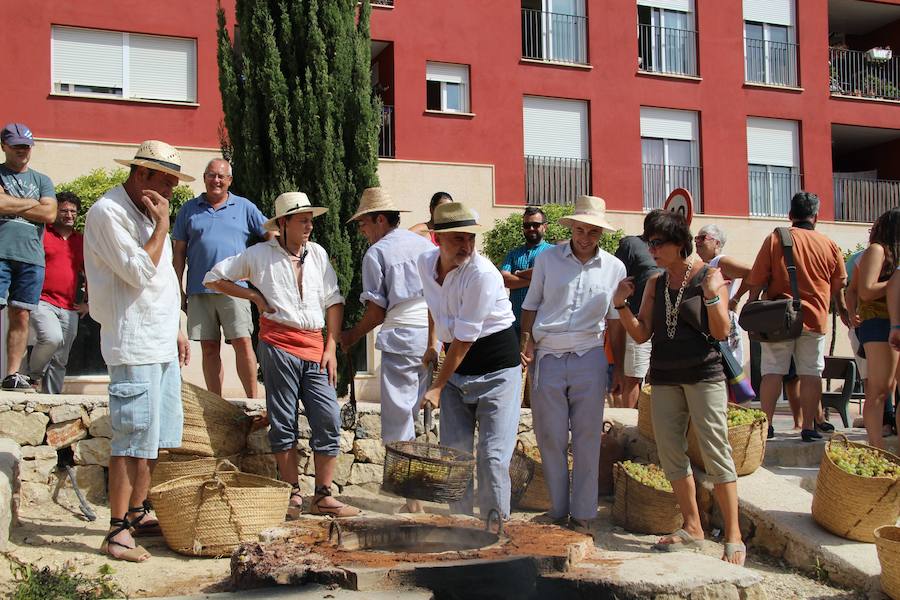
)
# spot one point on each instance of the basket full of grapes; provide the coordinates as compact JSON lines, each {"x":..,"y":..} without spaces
{"x":644,"y":500}
{"x":857,"y":490}
{"x":747,"y":428}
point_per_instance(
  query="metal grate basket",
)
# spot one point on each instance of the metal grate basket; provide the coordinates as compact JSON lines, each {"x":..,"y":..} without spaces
{"x":427,"y":471}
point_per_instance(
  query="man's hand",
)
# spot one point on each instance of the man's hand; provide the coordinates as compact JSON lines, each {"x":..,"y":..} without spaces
{"x":157,"y":206}
{"x":430,"y":358}
{"x":432,"y":396}
{"x":329,"y":365}
{"x":184,"y":350}
{"x":524,"y":273}
{"x":617,"y":380}
{"x":83,"y":309}
{"x":623,"y":291}
{"x":713,"y":282}
{"x":347,"y":340}
{"x":527,"y":353}
{"x":261,"y":303}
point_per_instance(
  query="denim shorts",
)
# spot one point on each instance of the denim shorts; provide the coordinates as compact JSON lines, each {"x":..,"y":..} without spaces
{"x":20,"y":284}
{"x":145,"y":408}
{"x":874,"y":330}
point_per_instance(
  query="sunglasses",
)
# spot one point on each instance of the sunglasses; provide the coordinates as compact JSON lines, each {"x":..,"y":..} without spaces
{"x":532,"y":225}
{"x":653,"y":244}
{"x":702,"y":237}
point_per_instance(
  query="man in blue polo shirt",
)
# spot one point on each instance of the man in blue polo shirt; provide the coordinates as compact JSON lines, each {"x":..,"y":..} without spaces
{"x":517,"y":266}
{"x":208,"y":229}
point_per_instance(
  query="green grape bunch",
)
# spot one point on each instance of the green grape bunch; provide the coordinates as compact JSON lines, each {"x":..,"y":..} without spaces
{"x":650,"y":475}
{"x":744,"y":416}
{"x":863,"y":462}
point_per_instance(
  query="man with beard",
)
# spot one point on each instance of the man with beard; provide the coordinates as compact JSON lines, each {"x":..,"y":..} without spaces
{"x":519,"y":262}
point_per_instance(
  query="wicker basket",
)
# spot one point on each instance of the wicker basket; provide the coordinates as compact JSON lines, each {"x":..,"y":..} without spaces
{"x":887,"y":541}
{"x":645,"y":419}
{"x":212,"y":425}
{"x":427,"y":471}
{"x":173,"y":466}
{"x":537,"y":494}
{"x":521,"y":473}
{"x":209,"y":515}
{"x":611,"y":452}
{"x":748,"y":445}
{"x":643,"y":509}
{"x":851,"y":506}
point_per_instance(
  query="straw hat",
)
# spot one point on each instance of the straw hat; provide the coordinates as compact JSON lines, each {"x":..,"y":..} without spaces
{"x":158,"y":156}
{"x":375,"y":199}
{"x":590,"y":210}
{"x":455,"y":217}
{"x":290,"y":203}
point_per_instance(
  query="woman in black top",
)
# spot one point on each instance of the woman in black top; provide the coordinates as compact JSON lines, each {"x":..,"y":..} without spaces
{"x":683,"y":307}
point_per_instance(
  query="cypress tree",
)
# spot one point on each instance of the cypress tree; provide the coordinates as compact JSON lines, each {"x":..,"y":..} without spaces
{"x":300,"y":114}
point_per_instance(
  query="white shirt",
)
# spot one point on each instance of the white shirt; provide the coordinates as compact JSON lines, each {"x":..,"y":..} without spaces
{"x":471,"y":304}
{"x":136,"y":303}
{"x":268,"y":267}
{"x":572,"y":299}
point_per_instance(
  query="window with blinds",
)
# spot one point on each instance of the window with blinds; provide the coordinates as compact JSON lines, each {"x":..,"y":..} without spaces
{"x":123,"y":65}
{"x":447,"y":87}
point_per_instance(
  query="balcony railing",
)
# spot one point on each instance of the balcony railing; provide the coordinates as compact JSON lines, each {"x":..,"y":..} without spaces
{"x":770,"y":193}
{"x":772,"y":63}
{"x":383,"y":2}
{"x":863,"y":200}
{"x":660,"y":180}
{"x":386,"y":136}
{"x":854,"y":73}
{"x":553,"y":180}
{"x":667,"y":50}
{"x":554,"y":37}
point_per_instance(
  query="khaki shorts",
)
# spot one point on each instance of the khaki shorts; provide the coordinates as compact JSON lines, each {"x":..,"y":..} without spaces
{"x":637,"y":358}
{"x":808,"y":352}
{"x":207,"y":313}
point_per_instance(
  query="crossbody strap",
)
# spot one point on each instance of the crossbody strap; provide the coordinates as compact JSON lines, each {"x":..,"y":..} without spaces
{"x":787,"y":244}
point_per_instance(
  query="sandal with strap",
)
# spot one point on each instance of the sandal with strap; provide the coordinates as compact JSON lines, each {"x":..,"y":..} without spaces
{"x":337,"y":512}
{"x":732,"y":548}
{"x":132,"y":553}
{"x":687,"y":541}
{"x":294,"y":510}
{"x":140,"y":528}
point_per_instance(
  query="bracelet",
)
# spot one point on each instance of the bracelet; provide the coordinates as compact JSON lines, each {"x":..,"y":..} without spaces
{"x":622,"y":306}
{"x":712,"y":301}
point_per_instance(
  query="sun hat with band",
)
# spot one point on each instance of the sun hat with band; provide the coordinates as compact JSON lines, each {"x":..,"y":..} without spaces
{"x":455,"y":217}
{"x":590,"y":210}
{"x":158,"y":156}
{"x":290,"y":203}
{"x":375,"y":199}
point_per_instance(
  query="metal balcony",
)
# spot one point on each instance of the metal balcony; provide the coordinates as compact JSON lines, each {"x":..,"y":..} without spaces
{"x":771,"y":193}
{"x":855,"y":73}
{"x":386,"y":136}
{"x":863,"y":200}
{"x":770,"y":63}
{"x":554,"y":37}
{"x":553,"y":180}
{"x":667,"y":50}
{"x":660,"y":180}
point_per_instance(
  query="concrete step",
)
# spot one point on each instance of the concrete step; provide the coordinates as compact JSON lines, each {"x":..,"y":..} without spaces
{"x":786,"y":449}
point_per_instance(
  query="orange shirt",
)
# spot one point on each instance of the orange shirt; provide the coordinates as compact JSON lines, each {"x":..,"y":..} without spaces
{"x":820,"y":269}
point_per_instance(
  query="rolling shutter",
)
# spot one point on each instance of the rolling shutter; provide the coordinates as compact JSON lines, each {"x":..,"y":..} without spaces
{"x":668,"y":124}
{"x":162,"y":68}
{"x":86,"y":57}
{"x":446,"y":72}
{"x":554,"y":127}
{"x":774,"y":12}
{"x":773,"y":142}
{"x":680,"y":5}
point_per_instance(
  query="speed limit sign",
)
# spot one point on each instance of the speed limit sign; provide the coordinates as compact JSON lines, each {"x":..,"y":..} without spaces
{"x":680,"y":201}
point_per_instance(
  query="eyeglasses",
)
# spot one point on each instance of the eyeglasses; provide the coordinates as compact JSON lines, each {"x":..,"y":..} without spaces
{"x":654,"y":244}
{"x":215,"y":176}
{"x":532,"y":225}
{"x":702,"y":237}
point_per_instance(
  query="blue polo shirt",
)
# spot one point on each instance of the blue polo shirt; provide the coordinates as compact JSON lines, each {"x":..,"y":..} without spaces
{"x":214,"y":234}
{"x":519,"y":259}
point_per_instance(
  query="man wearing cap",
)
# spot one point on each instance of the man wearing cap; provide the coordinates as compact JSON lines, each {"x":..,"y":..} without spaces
{"x":210,"y":228}
{"x":480,"y":380}
{"x":393,"y":296}
{"x":297,"y":294}
{"x":134,"y":298}
{"x":569,"y":312}
{"x":27,"y":204}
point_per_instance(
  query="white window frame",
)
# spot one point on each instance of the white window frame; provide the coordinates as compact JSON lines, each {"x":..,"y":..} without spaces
{"x":449,"y":74}
{"x":126,"y":91}
{"x":766,"y":150}
{"x":668,"y":125}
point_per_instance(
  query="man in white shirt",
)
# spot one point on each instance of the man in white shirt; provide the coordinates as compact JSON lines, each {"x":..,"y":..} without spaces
{"x":392,"y":294}
{"x":568,"y":312}
{"x":297,"y":294}
{"x":481,"y":378}
{"x":135,"y":299}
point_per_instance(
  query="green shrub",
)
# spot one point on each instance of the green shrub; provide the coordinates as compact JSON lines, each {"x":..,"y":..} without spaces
{"x":93,"y":185}
{"x":62,"y":583}
{"x":507,"y":233}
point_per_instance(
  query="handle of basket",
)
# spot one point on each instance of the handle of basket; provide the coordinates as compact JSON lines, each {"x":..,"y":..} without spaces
{"x":494,"y":514}
{"x":839,"y":437}
{"x":607,"y":426}
{"x":225,"y":465}
{"x":520,"y":445}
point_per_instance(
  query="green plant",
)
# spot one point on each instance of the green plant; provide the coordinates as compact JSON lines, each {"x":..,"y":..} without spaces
{"x":93,"y":185}
{"x":820,"y":573}
{"x":506,"y":234}
{"x":62,"y":583}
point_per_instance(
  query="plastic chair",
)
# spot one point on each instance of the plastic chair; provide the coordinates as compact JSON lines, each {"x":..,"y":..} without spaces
{"x":839,"y":367}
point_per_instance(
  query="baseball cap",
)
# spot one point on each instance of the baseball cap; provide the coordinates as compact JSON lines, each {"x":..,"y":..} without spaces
{"x":17,"y":134}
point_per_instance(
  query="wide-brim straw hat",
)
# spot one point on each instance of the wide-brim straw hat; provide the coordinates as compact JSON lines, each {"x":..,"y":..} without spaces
{"x":158,"y":156}
{"x":375,"y":199}
{"x":290,"y":203}
{"x":455,"y":217}
{"x":590,"y":210}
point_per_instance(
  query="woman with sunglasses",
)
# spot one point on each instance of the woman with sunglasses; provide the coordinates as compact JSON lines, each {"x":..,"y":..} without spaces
{"x":682,"y":308}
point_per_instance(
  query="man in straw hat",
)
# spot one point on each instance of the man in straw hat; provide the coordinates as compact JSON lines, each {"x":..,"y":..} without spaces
{"x":134,"y":298}
{"x":296,"y":291}
{"x":481,"y":378}
{"x":392,"y":293}
{"x":568,"y":313}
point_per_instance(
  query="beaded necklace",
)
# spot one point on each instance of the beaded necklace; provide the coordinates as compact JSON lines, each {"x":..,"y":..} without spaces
{"x":672,"y":311}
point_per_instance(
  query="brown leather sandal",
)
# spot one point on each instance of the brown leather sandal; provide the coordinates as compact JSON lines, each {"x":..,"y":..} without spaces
{"x":132,"y":553}
{"x":294,"y":510}
{"x":338,"y":512}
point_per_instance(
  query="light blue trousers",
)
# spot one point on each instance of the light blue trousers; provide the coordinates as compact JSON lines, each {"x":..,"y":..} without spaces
{"x":54,"y":331}
{"x":404,"y":380}
{"x":491,"y":402}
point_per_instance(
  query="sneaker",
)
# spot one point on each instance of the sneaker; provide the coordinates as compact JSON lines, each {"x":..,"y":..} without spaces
{"x":771,"y":433}
{"x":825,"y":427}
{"x":16,"y":382}
{"x":810,"y":435}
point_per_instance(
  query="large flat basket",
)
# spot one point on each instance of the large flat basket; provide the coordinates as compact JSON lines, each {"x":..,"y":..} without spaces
{"x":427,"y":471}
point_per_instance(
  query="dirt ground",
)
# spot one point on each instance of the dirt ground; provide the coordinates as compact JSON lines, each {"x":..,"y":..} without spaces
{"x":54,"y":535}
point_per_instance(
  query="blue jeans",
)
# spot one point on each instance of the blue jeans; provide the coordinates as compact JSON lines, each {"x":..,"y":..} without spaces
{"x":145,"y":408}
{"x":491,"y":402}
{"x":20,"y":284}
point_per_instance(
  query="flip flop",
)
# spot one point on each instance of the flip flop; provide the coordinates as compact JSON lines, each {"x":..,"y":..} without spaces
{"x":732,"y":548}
{"x":687,"y":542}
